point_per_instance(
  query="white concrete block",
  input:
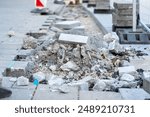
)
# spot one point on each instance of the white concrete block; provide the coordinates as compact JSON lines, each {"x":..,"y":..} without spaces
{"x":75,"y":39}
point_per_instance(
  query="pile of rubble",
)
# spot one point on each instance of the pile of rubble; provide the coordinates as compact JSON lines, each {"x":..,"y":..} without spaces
{"x":76,"y":57}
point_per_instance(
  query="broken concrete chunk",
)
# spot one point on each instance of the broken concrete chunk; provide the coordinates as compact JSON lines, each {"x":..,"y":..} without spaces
{"x":29,"y":43}
{"x":53,"y":67}
{"x":110,"y":37}
{"x":119,"y":84}
{"x":68,"y":24}
{"x":11,"y":33}
{"x":40,"y":76}
{"x":74,"y":39}
{"x":100,"y":85}
{"x":127,"y":77}
{"x":64,"y":89}
{"x":70,"y":66}
{"x":128,"y":70}
{"x":56,"y":81}
{"x":22,"y":81}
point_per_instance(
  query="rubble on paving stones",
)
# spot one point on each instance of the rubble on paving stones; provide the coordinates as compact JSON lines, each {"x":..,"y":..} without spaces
{"x":99,"y":64}
{"x":29,"y":43}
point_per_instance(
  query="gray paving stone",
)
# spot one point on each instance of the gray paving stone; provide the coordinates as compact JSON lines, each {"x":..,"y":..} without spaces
{"x":4,"y":63}
{"x":16,"y":69}
{"x":43,"y":93}
{"x":4,"y":57}
{"x":139,"y":64}
{"x":99,"y":95}
{"x":10,"y":46}
{"x":68,"y":24}
{"x":22,"y":54}
{"x":75,"y":39}
{"x":146,"y":82}
{"x":8,"y":52}
{"x":6,"y":83}
{"x":134,"y":94}
{"x":20,"y":94}
{"x":14,"y":41}
{"x":30,"y":86}
{"x":127,"y":69}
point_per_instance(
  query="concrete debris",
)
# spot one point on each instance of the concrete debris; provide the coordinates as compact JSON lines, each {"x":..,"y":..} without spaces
{"x":76,"y":56}
{"x":53,"y":68}
{"x":70,"y":66}
{"x":64,"y":89}
{"x":127,"y":77}
{"x":40,"y":76}
{"x":128,"y":69}
{"x":11,"y":33}
{"x":55,"y":82}
{"x":29,"y":43}
{"x":22,"y":81}
{"x":100,"y":86}
{"x":68,"y":24}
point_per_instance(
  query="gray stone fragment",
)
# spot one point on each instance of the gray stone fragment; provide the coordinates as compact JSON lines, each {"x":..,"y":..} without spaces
{"x":22,"y":81}
{"x":29,"y":43}
{"x":40,"y":76}
{"x":134,"y":94}
{"x":70,"y":66}
{"x":146,"y":81}
{"x":127,"y":77}
{"x":99,"y":86}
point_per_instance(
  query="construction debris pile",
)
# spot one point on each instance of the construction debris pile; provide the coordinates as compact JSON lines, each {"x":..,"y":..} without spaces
{"x":74,"y":56}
